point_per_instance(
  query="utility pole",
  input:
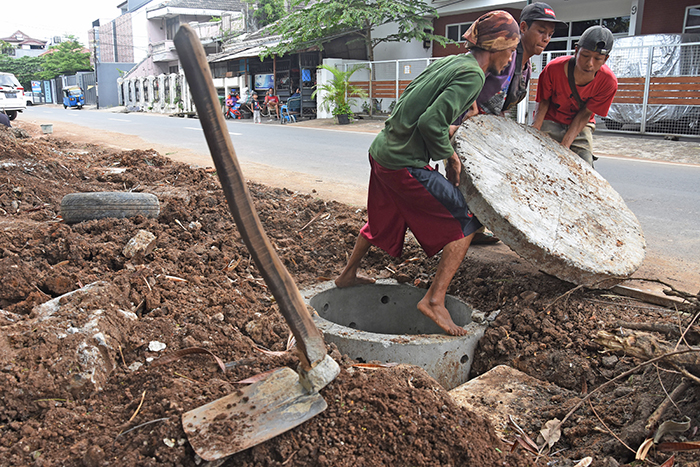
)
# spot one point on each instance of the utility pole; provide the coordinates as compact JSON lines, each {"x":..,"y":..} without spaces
{"x":96,"y":36}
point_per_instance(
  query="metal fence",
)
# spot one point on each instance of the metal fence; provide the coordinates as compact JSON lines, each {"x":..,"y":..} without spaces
{"x":658,"y":92}
{"x":385,"y":81}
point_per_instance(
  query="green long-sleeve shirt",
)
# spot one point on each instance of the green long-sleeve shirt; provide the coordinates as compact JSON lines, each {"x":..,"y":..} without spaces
{"x":418,"y":129}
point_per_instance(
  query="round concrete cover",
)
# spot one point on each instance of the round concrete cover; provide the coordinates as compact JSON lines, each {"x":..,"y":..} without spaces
{"x":546,"y":203}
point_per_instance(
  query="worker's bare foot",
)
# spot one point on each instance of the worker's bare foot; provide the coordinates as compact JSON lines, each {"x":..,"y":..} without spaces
{"x":441,"y":316}
{"x":353,"y":279}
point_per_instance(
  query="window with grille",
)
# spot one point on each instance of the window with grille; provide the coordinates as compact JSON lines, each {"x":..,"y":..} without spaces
{"x":456,"y":31}
{"x":692,"y":19}
{"x":565,"y":38}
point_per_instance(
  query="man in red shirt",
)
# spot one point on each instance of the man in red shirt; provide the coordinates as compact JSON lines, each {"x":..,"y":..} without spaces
{"x":568,"y":116}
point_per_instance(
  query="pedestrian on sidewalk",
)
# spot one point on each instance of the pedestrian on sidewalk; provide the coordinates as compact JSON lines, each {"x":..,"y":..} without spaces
{"x":255,"y":106}
{"x":404,"y":190}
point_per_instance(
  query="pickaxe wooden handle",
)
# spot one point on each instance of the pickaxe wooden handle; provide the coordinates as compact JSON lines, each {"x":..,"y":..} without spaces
{"x":277,"y":278}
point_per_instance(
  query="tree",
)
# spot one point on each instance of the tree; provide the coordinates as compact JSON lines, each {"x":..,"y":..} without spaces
{"x":65,"y":59}
{"x":266,"y":12}
{"x":5,"y":47}
{"x":311,"y":23}
{"x":25,"y":69}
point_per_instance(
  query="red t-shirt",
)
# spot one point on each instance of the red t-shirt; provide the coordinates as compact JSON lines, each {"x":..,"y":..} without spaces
{"x":272,"y":99}
{"x":553,"y":85}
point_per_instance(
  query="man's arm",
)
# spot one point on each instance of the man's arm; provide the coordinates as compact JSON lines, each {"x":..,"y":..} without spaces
{"x":473,"y":110}
{"x":434,"y":123}
{"x":540,"y":112}
{"x":453,"y":168}
{"x":577,"y":124}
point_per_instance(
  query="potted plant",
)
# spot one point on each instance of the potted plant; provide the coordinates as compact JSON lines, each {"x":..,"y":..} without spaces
{"x":338,"y":94}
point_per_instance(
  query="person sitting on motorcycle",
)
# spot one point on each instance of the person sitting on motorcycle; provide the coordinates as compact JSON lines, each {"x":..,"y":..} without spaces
{"x":232,"y":104}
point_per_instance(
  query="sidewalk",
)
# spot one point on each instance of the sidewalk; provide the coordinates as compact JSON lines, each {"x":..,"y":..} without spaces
{"x":685,"y":151}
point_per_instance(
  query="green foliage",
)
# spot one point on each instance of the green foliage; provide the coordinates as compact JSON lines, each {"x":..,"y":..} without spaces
{"x":24,"y":68}
{"x":312,"y":22}
{"x":67,"y":58}
{"x":342,"y":109}
{"x":5,"y":47}
{"x":339,"y":93}
{"x":267,"y":11}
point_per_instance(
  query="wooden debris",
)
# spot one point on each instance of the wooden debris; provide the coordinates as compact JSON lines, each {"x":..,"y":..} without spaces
{"x":644,"y":346}
{"x":143,"y":396}
{"x":646,"y":296}
{"x":677,"y":394}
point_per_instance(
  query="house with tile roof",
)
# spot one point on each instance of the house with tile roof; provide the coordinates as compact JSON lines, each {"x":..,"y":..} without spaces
{"x":24,"y":46}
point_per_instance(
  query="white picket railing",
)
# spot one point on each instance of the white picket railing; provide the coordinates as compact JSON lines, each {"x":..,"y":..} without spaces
{"x":167,"y":94}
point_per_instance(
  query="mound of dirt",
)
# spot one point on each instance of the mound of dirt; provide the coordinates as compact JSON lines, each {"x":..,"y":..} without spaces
{"x":198,"y":288}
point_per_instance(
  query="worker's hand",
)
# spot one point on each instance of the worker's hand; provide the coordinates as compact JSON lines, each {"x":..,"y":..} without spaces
{"x":453,"y":128}
{"x":453,"y":169}
{"x":473,"y":110}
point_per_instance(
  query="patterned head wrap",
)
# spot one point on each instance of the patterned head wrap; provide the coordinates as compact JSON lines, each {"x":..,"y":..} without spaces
{"x":496,"y":30}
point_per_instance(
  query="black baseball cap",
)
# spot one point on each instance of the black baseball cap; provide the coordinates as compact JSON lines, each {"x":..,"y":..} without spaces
{"x":539,"y":11}
{"x":598,"y":39}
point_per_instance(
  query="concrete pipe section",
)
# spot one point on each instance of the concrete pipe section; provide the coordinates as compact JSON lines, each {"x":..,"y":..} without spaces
{"x":380,"y":322}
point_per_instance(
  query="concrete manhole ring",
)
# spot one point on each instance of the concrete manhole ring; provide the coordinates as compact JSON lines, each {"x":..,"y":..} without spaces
{"x":380,"y":322}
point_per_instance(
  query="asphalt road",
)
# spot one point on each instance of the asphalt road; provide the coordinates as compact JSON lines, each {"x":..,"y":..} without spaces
{"x":332,"y":155}
{"x":665,"y":197}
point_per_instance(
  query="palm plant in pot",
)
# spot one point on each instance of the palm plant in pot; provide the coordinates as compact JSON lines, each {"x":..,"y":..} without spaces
{"x":338,"y":94}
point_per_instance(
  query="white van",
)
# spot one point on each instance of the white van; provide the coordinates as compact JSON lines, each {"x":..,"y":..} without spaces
{"x":11,"y":95}
{"x":31,"y":98}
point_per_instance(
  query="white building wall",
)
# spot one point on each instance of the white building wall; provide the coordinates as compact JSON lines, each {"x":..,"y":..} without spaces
{"x":583,"y":9}
{"x":398,"y":50}
{"x":450,"y":7}
{"x":140,"y":27}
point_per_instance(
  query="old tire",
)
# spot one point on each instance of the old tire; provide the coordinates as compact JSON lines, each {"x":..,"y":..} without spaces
{"x":11,"y":114}
{"x":78,"y":207}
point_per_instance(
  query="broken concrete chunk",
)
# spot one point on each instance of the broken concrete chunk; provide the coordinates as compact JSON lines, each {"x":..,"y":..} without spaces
{"x":78,"y":334}
{"x":156,"y":346}
{"x":504,"y":391}
{"x":143,"y":242}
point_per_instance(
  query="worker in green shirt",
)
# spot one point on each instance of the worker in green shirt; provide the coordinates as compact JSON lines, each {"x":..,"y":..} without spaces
{"x":404,"y":190}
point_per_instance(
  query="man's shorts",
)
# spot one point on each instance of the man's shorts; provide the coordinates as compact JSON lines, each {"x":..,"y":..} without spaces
{"x":582,"y":144}
{"x":422,"y":200}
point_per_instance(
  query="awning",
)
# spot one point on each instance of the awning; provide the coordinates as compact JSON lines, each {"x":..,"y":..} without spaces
{"x":245,"y":53}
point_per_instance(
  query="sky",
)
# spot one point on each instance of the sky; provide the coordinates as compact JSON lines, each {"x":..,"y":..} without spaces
{"x":43,"y":19}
